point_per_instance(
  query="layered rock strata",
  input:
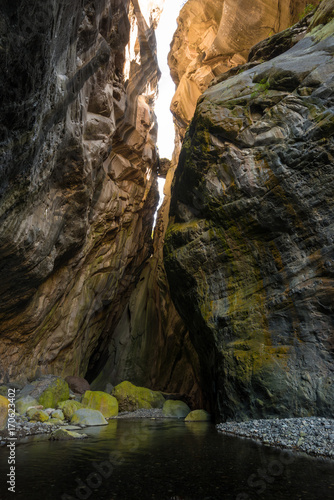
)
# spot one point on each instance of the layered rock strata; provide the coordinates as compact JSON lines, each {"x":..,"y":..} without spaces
{"x":77,"y":178}
{"x":214,"y":36}
{"x":249,"y":250}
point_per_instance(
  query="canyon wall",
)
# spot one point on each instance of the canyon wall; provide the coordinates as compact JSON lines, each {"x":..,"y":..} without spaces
{"x":249,"y":249}
{"x":214,"y":36}
{"x":77,"y":178}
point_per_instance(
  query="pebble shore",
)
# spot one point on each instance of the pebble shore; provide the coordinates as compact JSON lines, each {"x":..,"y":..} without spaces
{"x":312,"y":435}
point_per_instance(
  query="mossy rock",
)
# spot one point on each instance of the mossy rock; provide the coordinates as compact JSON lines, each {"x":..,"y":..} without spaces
{"x":22,"y":404}
{"x":65,"y":435}
{"x":3,"y":390}
{"x":48,"y":390}
{"x":58,"y":414}
{"x":198,"y":416}
{"x":37,"y":415}
{"x":69,"y":407}
{"x":131,"y":397}
{"x":3,"y":412}
{"x":175,"y":409}
{"x":86,"y":416}
{"x":55,"y":421}
{"x":98,"y":400}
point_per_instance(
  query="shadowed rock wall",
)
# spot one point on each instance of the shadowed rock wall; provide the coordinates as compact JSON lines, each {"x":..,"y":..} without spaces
{"x":77,"y":176}
{"x":249,"y":250}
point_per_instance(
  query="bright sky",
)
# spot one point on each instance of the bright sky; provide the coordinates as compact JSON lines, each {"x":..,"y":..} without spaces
{"x":164,"y":34}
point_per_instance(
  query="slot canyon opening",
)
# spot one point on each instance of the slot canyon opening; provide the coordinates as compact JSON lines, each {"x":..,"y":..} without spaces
{"x":166,"y":89}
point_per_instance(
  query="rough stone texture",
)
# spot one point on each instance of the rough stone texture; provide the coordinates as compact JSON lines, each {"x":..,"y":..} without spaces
{"x":98,"y":400}
{"x":69,"y":408}
{"x":77,"y":180}
{"x":85,"y":416}
{"x":198,"y":416}
{"x":151,"y":345}
{"x":214,"y":36}
{"x":22,"y":404}
{"x":57,"y":415}
{"x":131,"y":397}
{"x":249,"y":251}
{"x":37,"y":415}
{"x":48,"y":390}
{"x":3,"y":412}
{"x":78,"y":385}
{"x":175,"y":409}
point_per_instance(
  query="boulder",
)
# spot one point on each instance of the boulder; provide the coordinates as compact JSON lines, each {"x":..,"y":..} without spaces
{"x":69,"y":407}
{"x":58,"y":414}
{"x":198,"y":416}
{"x":98,"y":400}
{"x":65,"y":435}
{"x":48,"y":390}
{"x":55,"y":421}
{"x":86,"y":416}
{"x":78,"y":385}
{"x":37,"y":415}
{"x":175,"y":409}
{"x":22,"y":404}
{"x":131,"y":397}
{"x":3,"y":412}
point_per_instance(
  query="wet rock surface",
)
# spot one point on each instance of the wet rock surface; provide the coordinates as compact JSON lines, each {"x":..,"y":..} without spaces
{"x":249,"y":250}
{"x":77,"y":177}
{"x":314,"y":436}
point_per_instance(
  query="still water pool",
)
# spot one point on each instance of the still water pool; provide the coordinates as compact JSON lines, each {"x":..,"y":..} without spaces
{"x":163,"y":460}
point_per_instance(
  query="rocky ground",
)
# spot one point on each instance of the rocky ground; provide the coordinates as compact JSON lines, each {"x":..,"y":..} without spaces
{"x":311,"y":435}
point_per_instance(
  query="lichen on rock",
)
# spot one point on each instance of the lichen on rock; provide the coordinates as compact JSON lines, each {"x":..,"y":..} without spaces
{"x":249,"y":247}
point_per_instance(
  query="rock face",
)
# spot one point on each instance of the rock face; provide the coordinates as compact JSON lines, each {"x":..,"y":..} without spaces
{"x":214,"y":36}
{"x":151,"y":344}
{"x":77,"y":182}
{"x":249,"y":251}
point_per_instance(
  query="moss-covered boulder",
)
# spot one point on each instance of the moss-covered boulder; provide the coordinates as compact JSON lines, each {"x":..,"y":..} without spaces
{"x":69,"y":407}
{"x":131,"y":397}
{"x":98,"y":400}
{"x":37,"y":415}
{"x":175,"y":409}
{"x":198,"y":416}
{"x":48,"y":390}
{"x":3,"y":412}
{"x":65,"y":435}
{"x":55,"y":421}
{"x":22,"y":404}
{"x":86,"y":416}
{"x":59,"y":414}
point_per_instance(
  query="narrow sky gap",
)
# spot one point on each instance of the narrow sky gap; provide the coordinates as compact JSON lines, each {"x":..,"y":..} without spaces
{"x":164,"y":34}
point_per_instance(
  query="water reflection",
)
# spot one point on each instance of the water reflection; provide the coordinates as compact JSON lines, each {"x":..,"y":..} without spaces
{"x":160,"y":460}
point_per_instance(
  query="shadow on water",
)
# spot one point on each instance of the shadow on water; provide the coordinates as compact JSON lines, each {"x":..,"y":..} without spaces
{"x":158,"y":460}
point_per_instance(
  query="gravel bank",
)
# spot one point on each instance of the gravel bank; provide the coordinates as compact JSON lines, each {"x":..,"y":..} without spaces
{"x":23,"y":428}
{"x":311,"y":435}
